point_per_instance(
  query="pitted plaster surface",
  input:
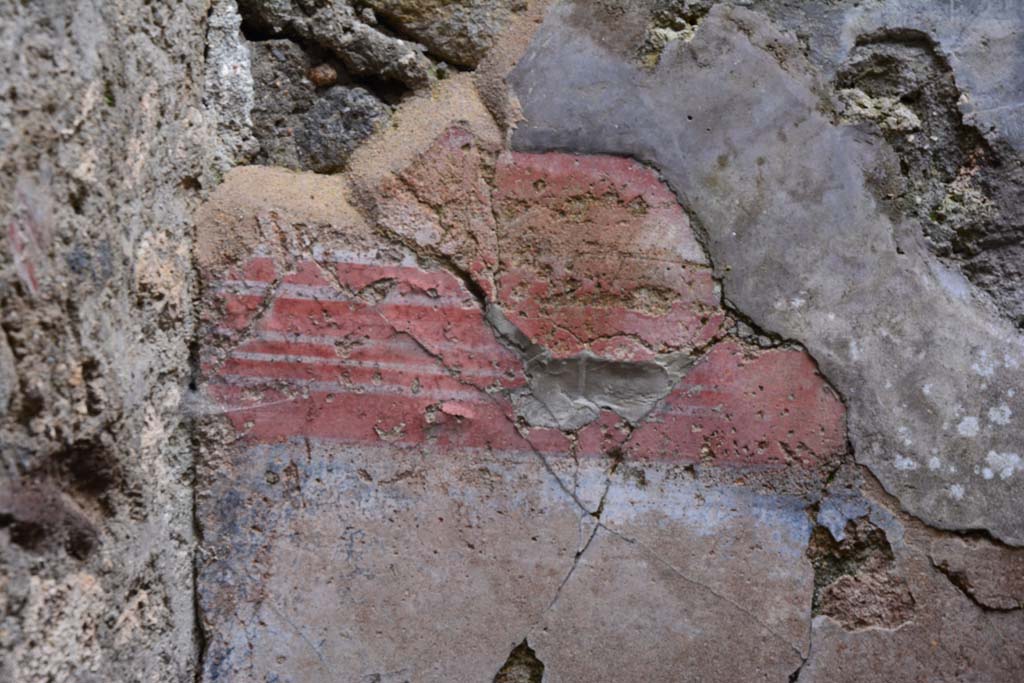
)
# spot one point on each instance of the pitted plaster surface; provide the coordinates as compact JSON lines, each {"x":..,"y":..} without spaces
{"x":732,"y":120}
{"x":384,"y":506}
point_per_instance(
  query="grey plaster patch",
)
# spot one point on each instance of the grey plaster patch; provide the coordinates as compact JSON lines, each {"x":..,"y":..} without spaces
{"x":981,"y":38}
{"x":571,"y":392}
{"x":734,"y":121}
{"x":568,"y":393}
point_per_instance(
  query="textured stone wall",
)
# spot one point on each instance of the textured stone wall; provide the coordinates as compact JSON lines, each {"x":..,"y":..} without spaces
{"x":103,"y":143}
{"x":508,"y":340}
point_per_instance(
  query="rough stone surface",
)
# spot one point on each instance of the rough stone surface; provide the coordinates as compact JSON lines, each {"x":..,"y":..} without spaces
{"x":283,"y":93}
{"x":335,"y":125}
{"x":106,"y":140}
{"x":335,"y":26}
{"x":229,"y":86}
{"x":303,"y":118}
{"x":458,"y":32}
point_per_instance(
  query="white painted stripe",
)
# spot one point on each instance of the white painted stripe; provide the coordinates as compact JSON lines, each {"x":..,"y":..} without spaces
{"x":399,"y":341}
{"x":349,"y":363}
{"x":332,"y":294}
{"x":468,"y":396}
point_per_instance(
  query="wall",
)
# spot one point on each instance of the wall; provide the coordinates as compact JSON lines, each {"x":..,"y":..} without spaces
{"x":103,"y":139}
{"x":409,"y":340}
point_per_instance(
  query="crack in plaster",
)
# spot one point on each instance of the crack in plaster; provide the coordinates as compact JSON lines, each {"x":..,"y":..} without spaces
{"x":596,"y":517}
{"x":962,"y":583}
{"x":529,"y":353}
{"x":688,"y":579}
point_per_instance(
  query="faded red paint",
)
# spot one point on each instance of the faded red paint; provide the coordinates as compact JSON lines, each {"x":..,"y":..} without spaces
{"x":582,"y":253}
{"x":29,"y":232}
{"x":377,"y":352}
{"x":357,"y":311}
{"x":25,"y":253}
{"x":410,"y":361}
{"x":596,"y":254}
{"x":739,"y":406}
{"x":603,"y":436}
{"x":442,"y":203}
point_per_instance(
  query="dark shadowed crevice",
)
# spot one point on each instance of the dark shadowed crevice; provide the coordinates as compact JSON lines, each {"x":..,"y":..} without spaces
{"x":200,"y":638}
{"x":42,"y":519}
{"x":88,"y":466}
{"x":192,"y":430}
{"x":325,"y":78}
{"x":962,"y":582}
{"x":963,"y":189}
{"x":670,"y":20}
{"x":522,"y":666}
